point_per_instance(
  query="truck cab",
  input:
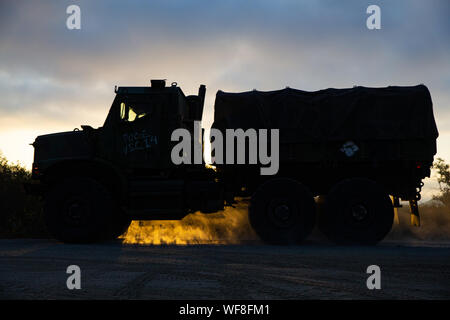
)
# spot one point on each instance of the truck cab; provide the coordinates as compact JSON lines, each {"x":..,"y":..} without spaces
{"x":127,"y":162}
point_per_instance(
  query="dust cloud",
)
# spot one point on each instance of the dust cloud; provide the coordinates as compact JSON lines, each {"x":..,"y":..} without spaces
{"x":435,"y":223}
{"x":229,"y":226}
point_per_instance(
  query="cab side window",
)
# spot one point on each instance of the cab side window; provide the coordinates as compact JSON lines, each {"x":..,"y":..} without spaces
{"x":130,"y":114}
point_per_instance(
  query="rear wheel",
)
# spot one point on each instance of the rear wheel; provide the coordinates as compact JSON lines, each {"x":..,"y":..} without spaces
{"x":357,"y":211}
{"x":77,"y":210}
{"x":282,"y":211}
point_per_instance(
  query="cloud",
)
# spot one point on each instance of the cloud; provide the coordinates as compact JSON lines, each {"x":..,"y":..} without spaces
{"x":52,"y":77}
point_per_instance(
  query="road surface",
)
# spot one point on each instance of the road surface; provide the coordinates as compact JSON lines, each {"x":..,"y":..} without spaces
{"x":36,"y":269}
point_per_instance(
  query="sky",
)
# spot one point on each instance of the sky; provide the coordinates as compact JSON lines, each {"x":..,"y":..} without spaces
{"x":55,"y":79}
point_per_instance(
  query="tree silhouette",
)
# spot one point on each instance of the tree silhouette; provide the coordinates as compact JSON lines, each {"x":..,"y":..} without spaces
{"x":443,"y":172}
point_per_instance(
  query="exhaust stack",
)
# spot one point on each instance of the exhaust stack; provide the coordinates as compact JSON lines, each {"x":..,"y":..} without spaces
{"x":201,"y":95}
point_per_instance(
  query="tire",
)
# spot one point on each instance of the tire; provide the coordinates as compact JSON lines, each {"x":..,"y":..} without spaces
{"x":357,"y":211}
{"x":282,"y":211}
{"x":78,"y":210}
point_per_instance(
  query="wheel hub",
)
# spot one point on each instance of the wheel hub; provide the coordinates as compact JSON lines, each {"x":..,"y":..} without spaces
{"x":359,"y":212}
{"x":76,"y":212}
{"x":282,"y":212}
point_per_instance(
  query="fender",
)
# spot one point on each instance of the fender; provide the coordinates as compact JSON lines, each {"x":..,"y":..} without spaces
{"x":106,"y":172}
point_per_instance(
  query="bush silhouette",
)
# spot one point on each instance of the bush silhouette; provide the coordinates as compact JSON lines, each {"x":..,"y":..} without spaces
{"x":20,"y":214}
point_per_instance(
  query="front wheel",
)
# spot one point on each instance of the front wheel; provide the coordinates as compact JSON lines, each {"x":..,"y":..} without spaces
{"x":77,"y":210}
{"x":357,"y":211}
{"x":282,"y":211}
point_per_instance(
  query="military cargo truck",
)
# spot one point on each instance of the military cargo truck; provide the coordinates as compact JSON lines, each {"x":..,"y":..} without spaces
{"x":347,"y":157}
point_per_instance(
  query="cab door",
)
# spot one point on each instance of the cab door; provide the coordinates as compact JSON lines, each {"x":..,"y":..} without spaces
{"x":138,"y":132}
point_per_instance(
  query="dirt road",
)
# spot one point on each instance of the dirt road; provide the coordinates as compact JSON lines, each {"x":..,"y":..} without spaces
{"x":36,"y":269}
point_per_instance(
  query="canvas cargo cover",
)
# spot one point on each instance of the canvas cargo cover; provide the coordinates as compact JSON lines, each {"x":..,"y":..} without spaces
{"x":358,"y":113}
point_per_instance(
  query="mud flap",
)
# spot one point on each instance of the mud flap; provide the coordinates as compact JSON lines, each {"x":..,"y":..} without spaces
{"x":396,"y":219}
{"x":414,"y":210}
{"x":396,"y":204}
